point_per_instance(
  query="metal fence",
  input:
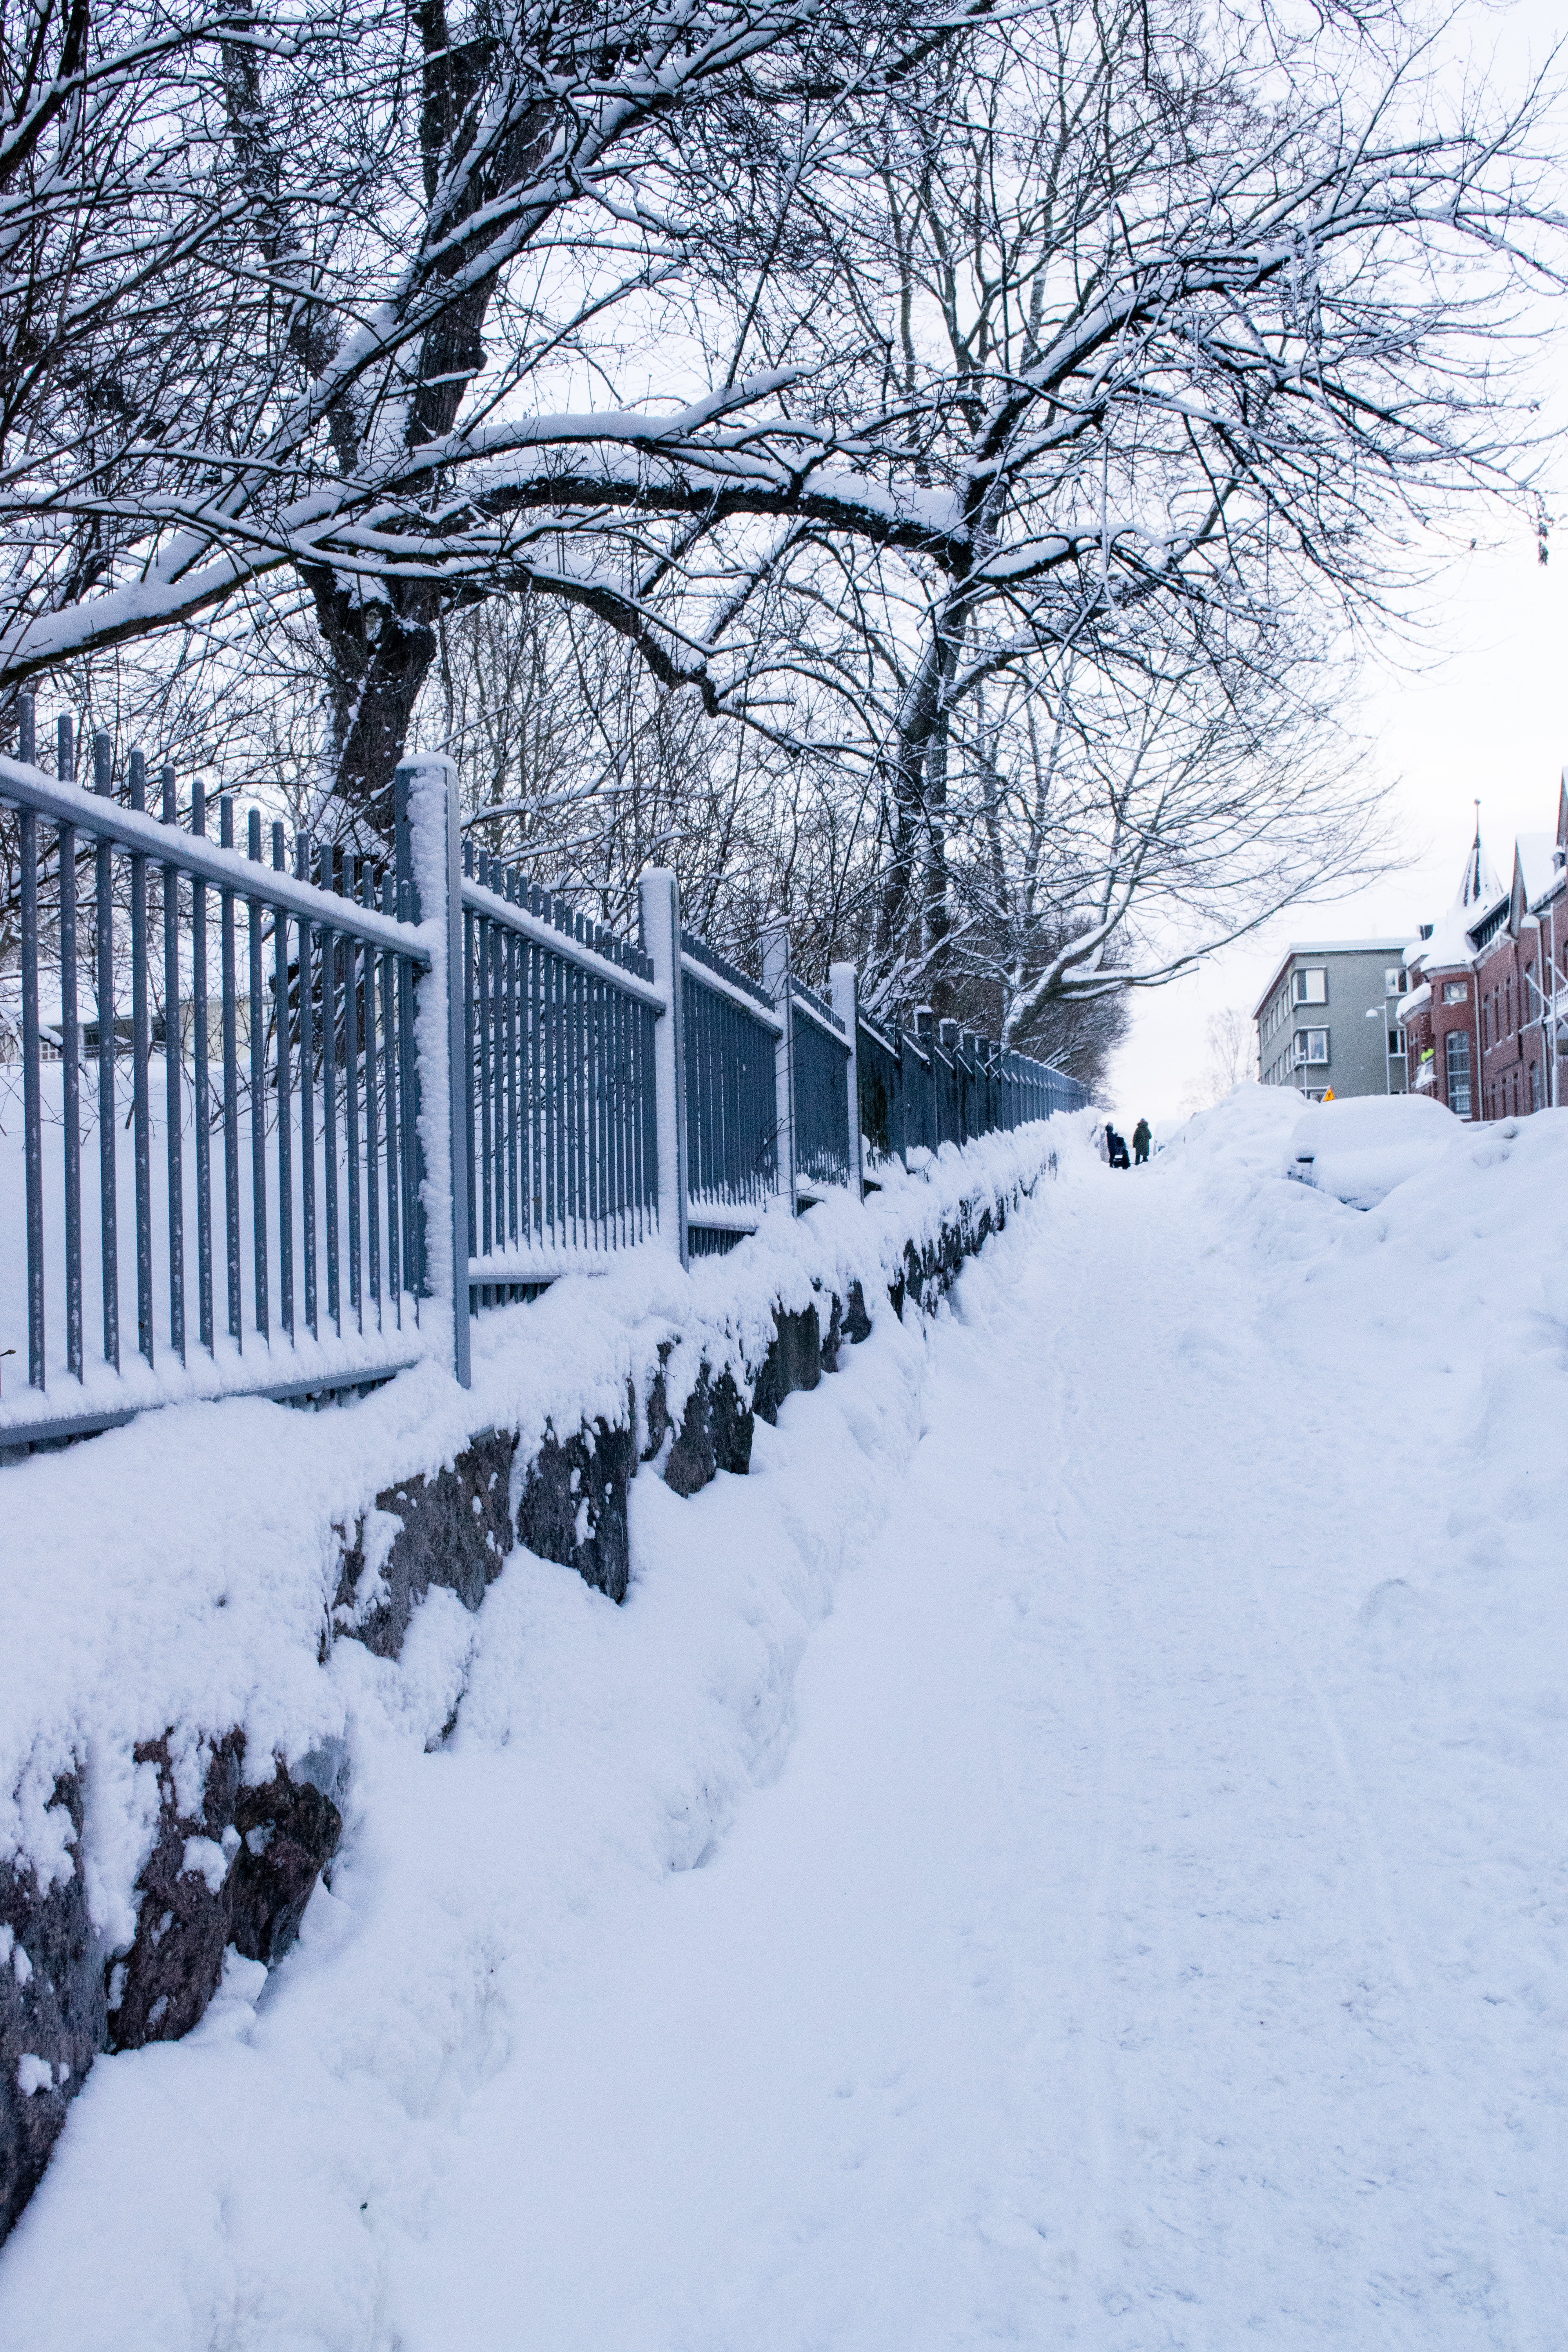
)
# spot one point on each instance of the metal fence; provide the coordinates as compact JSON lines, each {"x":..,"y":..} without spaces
{"x":559,"y":1017}
{"x":313,"y":1110}
{"x":940,"y":1084}
{"x":821,"y":1050}
{"x":731,"y":1036}
{"x":268,"y":1187}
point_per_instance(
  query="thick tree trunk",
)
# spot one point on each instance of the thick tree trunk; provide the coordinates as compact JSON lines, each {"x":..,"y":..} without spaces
{"x":912,"y":912}
{"x":379,"y":652}
{"x":937,"y":923}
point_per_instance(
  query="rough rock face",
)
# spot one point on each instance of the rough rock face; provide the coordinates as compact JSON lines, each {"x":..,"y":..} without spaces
{"x":457,"y":1532}
{"x":574,"y":1506}
{"x":161,"y":1987}
{"x":715,"y":1433}
{"x":239,"y":1872}
{"x":51,"y":2011}
{"x":289,"y":1831}
{"x":929,"y":1271}
{"x":857,"y":1322}
{"x":794,"y":1361}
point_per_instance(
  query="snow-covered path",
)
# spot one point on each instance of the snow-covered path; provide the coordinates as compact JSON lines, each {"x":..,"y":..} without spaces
{"x":1092,"y":1974}
{"x":1152,"y":1934}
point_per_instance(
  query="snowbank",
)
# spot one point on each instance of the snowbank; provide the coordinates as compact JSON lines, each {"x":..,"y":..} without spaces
{"x":1457,"y":1271}
{"x":1172,"y":1923}
{"x":177,"y":1585}
{"x":1360,"y":1151}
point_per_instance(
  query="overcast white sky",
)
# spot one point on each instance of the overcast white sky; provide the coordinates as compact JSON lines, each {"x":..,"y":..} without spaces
{"x":1486,"y":715}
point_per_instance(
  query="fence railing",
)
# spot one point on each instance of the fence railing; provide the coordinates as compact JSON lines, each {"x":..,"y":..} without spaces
{"x":263,"y":1184}
{"x":559,"y":1023}
{"x":730,"y":1037}
{"x":312,"y":1111}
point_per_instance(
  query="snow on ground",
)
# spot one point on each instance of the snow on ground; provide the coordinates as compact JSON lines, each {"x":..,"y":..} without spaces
{"x":179,"y":1572}
{"x":1071,"y":1853}
{"x":1360,"y":1151}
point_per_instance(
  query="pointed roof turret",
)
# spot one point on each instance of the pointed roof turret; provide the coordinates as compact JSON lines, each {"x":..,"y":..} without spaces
{"x":1480,"y":887}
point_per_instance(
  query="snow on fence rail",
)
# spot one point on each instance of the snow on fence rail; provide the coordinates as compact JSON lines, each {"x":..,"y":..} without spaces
{"x":377,"y":1077}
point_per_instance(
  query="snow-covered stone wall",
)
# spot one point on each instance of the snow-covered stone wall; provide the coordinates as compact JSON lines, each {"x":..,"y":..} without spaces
{"x":174,"y":1748}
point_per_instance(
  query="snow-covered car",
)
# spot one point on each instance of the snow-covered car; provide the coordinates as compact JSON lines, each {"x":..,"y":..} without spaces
{"x":1360,"y":1151}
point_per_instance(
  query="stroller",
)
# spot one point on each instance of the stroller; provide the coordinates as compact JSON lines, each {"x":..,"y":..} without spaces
{"x":1116,"y":1147}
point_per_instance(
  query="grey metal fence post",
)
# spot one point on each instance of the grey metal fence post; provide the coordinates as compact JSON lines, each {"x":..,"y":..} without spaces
{"x":660,"y":902}
{"x":430,"y":856}
{"x":844,"y":983}
{"x":776,"y":980}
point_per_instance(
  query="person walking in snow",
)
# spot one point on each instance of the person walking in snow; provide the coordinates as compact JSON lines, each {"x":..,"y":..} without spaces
{"x":1142,"y":1137}
{"x":1117,"y":1147}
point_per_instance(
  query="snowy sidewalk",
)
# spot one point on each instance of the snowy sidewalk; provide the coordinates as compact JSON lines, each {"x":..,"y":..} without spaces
{"x":1150,"y":1930}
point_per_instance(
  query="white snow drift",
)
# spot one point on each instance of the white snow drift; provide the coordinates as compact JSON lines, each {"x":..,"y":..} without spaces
{"x":1072,"y":1851}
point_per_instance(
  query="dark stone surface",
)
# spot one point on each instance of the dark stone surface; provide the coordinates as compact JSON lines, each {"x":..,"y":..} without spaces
{"x":857,"y":1322}
{"x":832,"y":1337}
{"x":455,"y":1532}
{"x":794,"y":1361}
{"x":288,"y":1831}
{"x":715,"y":1433}
{"x":51,"y":2008}
{"x":574,"y":1506}
{"x":162,"y":1984}
{"x":659,"y":1404}
{"x":275,"y":1838}
{"x":274,"y":1841}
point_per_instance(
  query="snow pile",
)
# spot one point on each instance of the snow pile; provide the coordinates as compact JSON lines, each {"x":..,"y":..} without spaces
{"x":1454,"y":1281}
{"x":590,"y":1742}
{"x":1135,"y":1918}
{"x":178,"y":1573}
{"x":1246,"y":1130}
{"x":1359,"y":1151}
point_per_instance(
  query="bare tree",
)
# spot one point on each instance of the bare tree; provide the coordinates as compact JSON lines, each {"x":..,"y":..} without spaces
{"x":1107,"y":830}
{"x":996,"y":423}
{"x":336,"y":299}
{"x":1230,"y":1057}
{"x":1185,"y":325}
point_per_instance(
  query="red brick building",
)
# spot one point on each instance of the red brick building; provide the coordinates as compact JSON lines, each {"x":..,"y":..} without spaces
{"x":1486,"y":1028}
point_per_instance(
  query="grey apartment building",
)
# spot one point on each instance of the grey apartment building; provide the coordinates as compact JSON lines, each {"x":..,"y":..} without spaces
{"x":1327,"y":1019}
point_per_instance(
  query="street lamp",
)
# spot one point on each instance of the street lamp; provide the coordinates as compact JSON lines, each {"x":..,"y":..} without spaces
{"x":1379,"y":1014}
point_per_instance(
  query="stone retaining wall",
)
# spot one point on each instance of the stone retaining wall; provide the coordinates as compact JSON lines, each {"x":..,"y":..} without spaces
{"x":237,"y":1865}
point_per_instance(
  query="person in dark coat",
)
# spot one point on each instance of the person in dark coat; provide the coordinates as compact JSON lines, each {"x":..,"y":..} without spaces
{"x":1143,"y":1137}
{"x":1117,"y":1147}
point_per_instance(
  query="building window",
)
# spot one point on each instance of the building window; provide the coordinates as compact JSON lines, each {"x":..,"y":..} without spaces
{"x":1309,"y":987}
{"x":1457,"y":1046}
{"x":1395,"y":1047}
{"x":1312,"y":1046}
{"x":1455,"y":991}
{"x":1394,"y":981}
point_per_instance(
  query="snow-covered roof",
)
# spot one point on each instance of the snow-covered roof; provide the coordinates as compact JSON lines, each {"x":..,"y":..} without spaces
{"x":1414,"y":1001}
{"x":1450,"y":944}
{"x":1538,"y":868}
{"x":1479,"y":885}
